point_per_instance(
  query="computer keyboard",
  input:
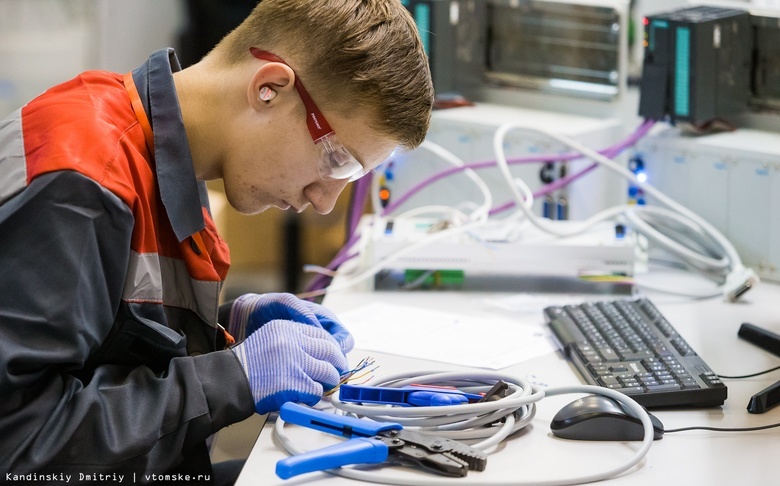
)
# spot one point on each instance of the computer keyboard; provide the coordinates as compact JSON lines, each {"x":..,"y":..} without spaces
{"x":628,"y":346}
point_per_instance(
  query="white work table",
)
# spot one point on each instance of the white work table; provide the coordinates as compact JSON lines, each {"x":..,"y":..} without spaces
{"x":690,"y":458}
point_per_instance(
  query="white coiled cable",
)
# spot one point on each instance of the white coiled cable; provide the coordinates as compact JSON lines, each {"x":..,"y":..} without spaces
{"x":467,"y":422}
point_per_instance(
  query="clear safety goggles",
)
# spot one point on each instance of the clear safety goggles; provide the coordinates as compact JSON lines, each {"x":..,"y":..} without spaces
{"x":335,"y":162}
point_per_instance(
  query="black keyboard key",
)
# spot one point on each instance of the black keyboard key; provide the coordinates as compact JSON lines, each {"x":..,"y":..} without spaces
{"x":637,"y":355}
{"x":682,"y":347}
{"x":608,"y":354}
{"x":711,"y":379}
{"x":587,"y":353}
{"x":608,"y":381}
{"x":688,"y":383}
{"x":664,"y":387}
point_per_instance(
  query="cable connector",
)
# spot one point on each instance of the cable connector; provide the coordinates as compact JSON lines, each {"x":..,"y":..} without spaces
{"x":738,"y":282}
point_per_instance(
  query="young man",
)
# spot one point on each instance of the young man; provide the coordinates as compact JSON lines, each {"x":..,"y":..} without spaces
{"x":114,"y":362}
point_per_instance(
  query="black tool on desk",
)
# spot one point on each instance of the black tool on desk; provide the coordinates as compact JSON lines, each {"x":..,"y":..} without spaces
{"x":374,"y":442}
{"x":769,"y":397}
{"x":762,"y":338}
{"x":597,"y":417}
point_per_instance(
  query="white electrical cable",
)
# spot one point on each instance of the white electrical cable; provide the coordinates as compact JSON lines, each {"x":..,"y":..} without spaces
{"x":523,"y":193}
{"x":619,"y":169}
{"x":480,"y":213}
{"x":476,"y":219}
{"x":461,"y":421}
{"x":736,"y":268}
{"x":691,"y":236}
{"x":455,"y":215}
{"x":698,"y":259}
{"x":738,"y":276}
{"x":688,"y":292}
{"x":350,"y":280}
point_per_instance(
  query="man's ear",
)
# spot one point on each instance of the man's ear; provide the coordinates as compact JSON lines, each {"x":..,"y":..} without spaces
{"x":269,"y":81}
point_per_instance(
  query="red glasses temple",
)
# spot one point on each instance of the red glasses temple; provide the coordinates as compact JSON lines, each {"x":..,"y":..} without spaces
{"x":315,"y":120}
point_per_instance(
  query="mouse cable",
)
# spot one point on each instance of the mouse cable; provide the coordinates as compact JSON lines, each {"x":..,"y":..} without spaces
{"x":490,"y":421}
{"x":749,"y":376}
{"x":723,"y":429}
{"x":737,"y":429}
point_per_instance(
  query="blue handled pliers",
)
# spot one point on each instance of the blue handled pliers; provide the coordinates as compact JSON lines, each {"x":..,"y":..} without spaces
{"x":374,"y":442}
{"x":406,"y":396}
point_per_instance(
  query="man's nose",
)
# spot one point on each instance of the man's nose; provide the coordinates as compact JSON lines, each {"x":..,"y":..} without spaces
{"x":324,"y":194}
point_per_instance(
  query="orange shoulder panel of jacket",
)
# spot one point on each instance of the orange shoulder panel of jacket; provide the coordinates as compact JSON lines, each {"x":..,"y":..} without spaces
{"x":88,"y":125}
{"x":205,"y":253}
{"x":216,"y":246}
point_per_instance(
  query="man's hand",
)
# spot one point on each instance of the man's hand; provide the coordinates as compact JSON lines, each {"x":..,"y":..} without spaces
{"x":251,"y":311}
{"x":289,"y":361}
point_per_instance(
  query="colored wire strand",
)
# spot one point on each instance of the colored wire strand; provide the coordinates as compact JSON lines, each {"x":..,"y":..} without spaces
{"x":359,"y":372}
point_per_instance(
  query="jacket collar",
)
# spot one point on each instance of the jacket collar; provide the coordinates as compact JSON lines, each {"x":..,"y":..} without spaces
{"x":181,"y":193}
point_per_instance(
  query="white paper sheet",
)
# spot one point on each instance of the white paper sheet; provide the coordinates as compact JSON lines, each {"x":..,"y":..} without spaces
{"x":415,"y":332}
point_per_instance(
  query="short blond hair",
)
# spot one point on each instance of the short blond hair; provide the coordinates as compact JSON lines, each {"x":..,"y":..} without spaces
{"x":363,"y":54}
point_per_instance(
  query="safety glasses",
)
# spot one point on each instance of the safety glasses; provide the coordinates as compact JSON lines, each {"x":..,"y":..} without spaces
{"x":336,"y":163}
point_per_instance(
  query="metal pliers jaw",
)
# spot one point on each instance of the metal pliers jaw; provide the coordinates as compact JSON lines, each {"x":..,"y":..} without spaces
{"x":438,"y":455}
{"x":374,"y":442}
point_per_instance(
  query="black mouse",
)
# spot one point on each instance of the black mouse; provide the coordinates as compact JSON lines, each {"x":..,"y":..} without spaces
{"x":597,"y":417}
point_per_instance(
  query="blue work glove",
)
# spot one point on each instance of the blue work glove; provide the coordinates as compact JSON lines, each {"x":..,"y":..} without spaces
{"x":287,"y":361}
{"x":250,"y":312}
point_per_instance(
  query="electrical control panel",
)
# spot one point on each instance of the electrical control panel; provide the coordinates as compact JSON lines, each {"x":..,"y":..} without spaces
{"x":604,"y":254}
{"x":697,"y":65}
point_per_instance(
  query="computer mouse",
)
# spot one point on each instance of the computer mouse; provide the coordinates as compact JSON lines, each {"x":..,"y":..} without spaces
{"x":597,"y":417}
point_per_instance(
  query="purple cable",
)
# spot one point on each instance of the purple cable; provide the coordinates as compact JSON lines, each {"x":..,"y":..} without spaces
{"x":610,"y":152}
{"x":362,"y":188}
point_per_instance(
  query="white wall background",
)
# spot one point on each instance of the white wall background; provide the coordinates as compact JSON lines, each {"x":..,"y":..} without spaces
{"x":44,"y":42}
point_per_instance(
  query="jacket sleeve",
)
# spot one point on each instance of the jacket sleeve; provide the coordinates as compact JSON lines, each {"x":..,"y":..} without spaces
{"x":64,"y":250}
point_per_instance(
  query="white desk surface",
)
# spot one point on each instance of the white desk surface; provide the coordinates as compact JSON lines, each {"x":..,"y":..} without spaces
{"x":684,"y":458}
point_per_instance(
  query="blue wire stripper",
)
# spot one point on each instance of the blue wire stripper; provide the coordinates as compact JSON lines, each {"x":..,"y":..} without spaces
{"x":372,"y":442}
{"x":406,"y":396}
